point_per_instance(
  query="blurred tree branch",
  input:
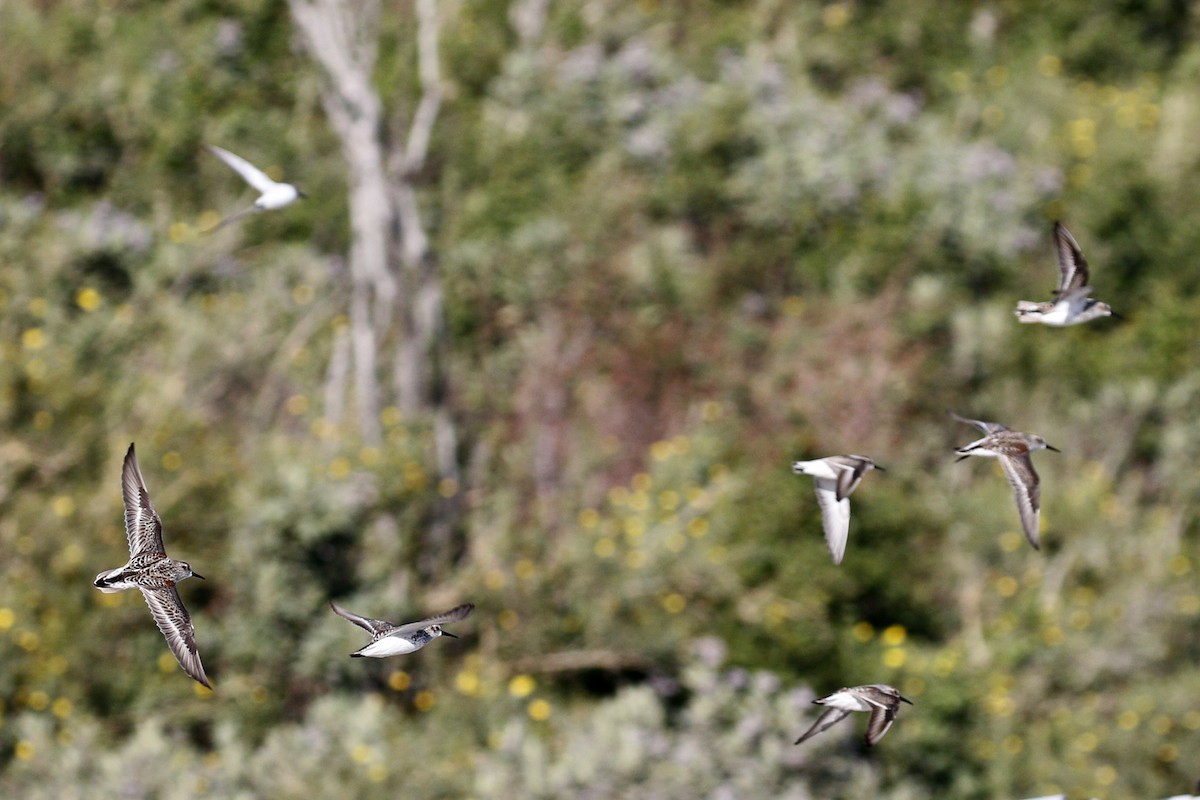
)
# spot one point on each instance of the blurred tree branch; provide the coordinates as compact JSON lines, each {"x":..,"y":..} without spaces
{"x":394,"y":276}
{"x":580,"y":660}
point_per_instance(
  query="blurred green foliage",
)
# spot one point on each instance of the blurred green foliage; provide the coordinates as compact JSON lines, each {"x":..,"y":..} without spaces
{"x":682,"y":244}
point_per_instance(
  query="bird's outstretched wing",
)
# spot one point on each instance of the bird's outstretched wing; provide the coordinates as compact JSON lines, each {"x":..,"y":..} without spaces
{"x":233,"y":218}
{"x":250,"y":173}
{"x":835,"y":517}
{"x":376,"y":627}
{"x":987,"y":427}
{"x":1027,"y":491}
{"x":1072,"y":266}
{"x":453,"y":615}
{"x":881,"y":719}
{"x":831,"y":717}
{"x":850,"y":473}
{"x":173,"y":620}
{"x":143,"y":527}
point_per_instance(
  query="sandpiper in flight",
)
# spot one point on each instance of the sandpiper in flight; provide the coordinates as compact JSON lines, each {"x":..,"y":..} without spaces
{"x":150,"y":571}
{"x":1013,"y":449}
{"x":388,"y":639}
{"x":1072,"y":303}
{"x":881,"y":700}
{"x":835,"y":478}
{"x":272,"y":195}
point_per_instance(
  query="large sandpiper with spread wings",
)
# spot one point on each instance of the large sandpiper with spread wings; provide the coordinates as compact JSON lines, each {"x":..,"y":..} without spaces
{"x":880,"y":700}
{"x":1013,"y":449}
{"x":1072,"y":303}
{"x":152,"y":573}
{"x":389,"y":639}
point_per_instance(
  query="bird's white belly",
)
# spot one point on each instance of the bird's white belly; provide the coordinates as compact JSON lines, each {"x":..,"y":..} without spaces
{"x":389,"y":646}
{"x":278,"y":196}
{"x":847,"y":702}
{"x":1058,"y":315}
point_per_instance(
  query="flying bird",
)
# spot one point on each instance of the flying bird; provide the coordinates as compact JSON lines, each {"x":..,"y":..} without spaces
{"x":272,"y":195}
{"x":835,"y":478}
{"x":1013,"y":449}
{"x":1072,"y":303}
{"x":389,"y":639}
{"x":880,"y":700}
{"x":151,"y":572}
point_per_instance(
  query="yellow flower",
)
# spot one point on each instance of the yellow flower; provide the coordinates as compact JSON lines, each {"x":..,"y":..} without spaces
{"x":894,"y":635}
{"x":63,"y":506}
{"x":88,"y":299}
{"x":539,"y":710}
{"x":33,"y":339}
{"x":424,"y":700}
{"x":467,"y":683}
{"x":521,"y":686}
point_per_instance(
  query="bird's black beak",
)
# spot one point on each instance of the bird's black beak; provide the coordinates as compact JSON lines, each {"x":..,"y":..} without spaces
{"x":881,"y":469}
{"x":905,"y":699}
{"x":196,"y":575}
{"x":301,"y":194}
{"x":1055,"y":449}
{"x":448,"y":633}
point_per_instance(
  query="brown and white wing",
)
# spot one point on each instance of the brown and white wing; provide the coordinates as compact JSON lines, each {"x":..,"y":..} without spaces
{"x":376,"y":627}
{"x":173,"y":620}
{"x":453,"y":615}
{"x":835,"y":517}
{"x":143,"y":528}
{"x":831,"y":717}
{"x":987,"y":427}
{"x":882,"y":717}
{"x":1025,"y":484}
{"x":1072,"y":266}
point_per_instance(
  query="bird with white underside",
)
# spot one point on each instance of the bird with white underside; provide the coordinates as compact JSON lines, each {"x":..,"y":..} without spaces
{"x":273,"y":195}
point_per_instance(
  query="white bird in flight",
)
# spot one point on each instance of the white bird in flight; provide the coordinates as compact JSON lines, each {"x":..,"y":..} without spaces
{"x":272,"y":194}
{"x":390,"y":639}
{"x":836,"y":477}
{"x":1072,"y":303}
{"x":878,"y":699}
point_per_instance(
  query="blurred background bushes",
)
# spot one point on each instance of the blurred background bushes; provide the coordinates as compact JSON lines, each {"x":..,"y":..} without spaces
{"x":682,"y":244}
